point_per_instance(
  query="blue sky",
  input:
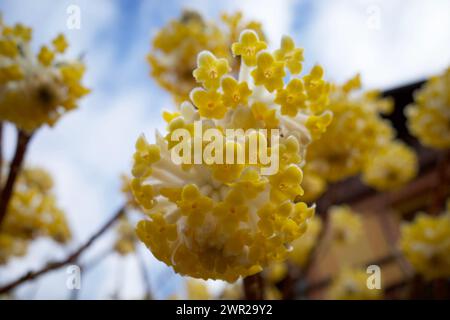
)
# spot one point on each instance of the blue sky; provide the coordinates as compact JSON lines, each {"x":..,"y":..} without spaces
{"x":390,"y":42}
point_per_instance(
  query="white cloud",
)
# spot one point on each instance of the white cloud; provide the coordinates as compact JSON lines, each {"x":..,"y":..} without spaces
{"x":411,"y":42}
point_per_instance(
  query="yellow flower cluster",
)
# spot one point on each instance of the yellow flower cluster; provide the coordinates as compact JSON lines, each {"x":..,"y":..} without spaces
{"x":302,"y":247}
{"x":176,"y":46}
{"x":345,"y":225}
{"x":32,"y":213}
{"x":36,"y":89}
{"x":425,"y":242}
{"x":125,"y":238}
{"x":392,"y":166}
{"x":357,"y":130}
{"x":223,"y":221}
{"x":429,"y":116}
{"x":351,"y":284}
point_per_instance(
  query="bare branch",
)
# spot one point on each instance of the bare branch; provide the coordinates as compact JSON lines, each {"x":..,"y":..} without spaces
{"x":53,"y":265}
{"x":23,"y":140}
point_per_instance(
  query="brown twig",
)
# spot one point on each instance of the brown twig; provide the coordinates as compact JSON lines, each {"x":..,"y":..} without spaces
{"x":254,"y":287}
{"x":23,"y":139}
{"x":53,"y":265}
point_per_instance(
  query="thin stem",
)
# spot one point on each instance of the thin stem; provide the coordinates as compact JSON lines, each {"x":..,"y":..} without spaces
{"x":23,"y":140}
{"x":53,"y":265}
{"x":254,"y":287}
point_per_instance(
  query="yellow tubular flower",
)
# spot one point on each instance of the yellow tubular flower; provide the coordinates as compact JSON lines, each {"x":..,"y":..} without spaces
{"x":345,"y":225}
{"x":429,"y":116}
{"x":268,"y":71}
{"x":302,"y":247}
{"x":248,"y":47}
{"x":391,"y":167}
{"x":176,"y":46}
{"x":351,"y":284}
{"x":425,"y":242}
{"x":341,"y":152}
{"x":36,"y":89}
{"x":224,"y":221}
{"x":290,"y":54}
{"x":32,"y":213}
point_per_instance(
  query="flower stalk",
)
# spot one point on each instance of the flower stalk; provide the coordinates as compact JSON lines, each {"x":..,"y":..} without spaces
{"x":23,"y":140}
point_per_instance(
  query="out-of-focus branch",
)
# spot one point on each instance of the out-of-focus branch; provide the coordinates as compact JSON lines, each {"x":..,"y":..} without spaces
{"x":254,"y":287}
{"x":23,"y":140}
{"x":320,"y":284}
{"x":53,"y":265}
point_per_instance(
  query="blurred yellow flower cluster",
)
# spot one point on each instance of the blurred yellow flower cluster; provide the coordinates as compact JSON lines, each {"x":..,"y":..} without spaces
{"x":36,"y":89}
{"x":393,"y":165}
{"x":125,"y":237}
{"x":224,"y":221}
{"x":351,"y":284}
{"x":32,"y":213}
{"x":358,"y":135}
{"x":429,"y":116}
{"x":345,"y":225}
{"x":176,"y":46}
{"x":425,"y":242}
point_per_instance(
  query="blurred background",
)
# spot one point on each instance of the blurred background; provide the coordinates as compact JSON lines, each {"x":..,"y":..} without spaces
{"x":391,"y":43}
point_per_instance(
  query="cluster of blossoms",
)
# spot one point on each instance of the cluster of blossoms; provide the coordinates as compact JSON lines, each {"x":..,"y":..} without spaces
{"x":357,"y":135}
{"x":351,"y":284}
{"x":425,"y":242}
{"x":223,"y":221}
{"x":345,"y":225}
{"x":176,"y":46}
{"x":394,"y":165}
{"x":32,"y":213}
{"x":429,"y":116}
{"x":36,"y":89}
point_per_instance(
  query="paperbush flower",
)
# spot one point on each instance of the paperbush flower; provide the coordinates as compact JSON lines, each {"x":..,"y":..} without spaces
{"x":429,"y":116}
{"x":32,"y":213}
{"x":345,"y":225}
{"x":355,"y":133}
{"x":224,"y":221}
{"x":425,"y":242}
{"x":176,"y":46}
{"x":36,"y":89}
{"x":392,"y":166}
{"x":351,"y":284}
